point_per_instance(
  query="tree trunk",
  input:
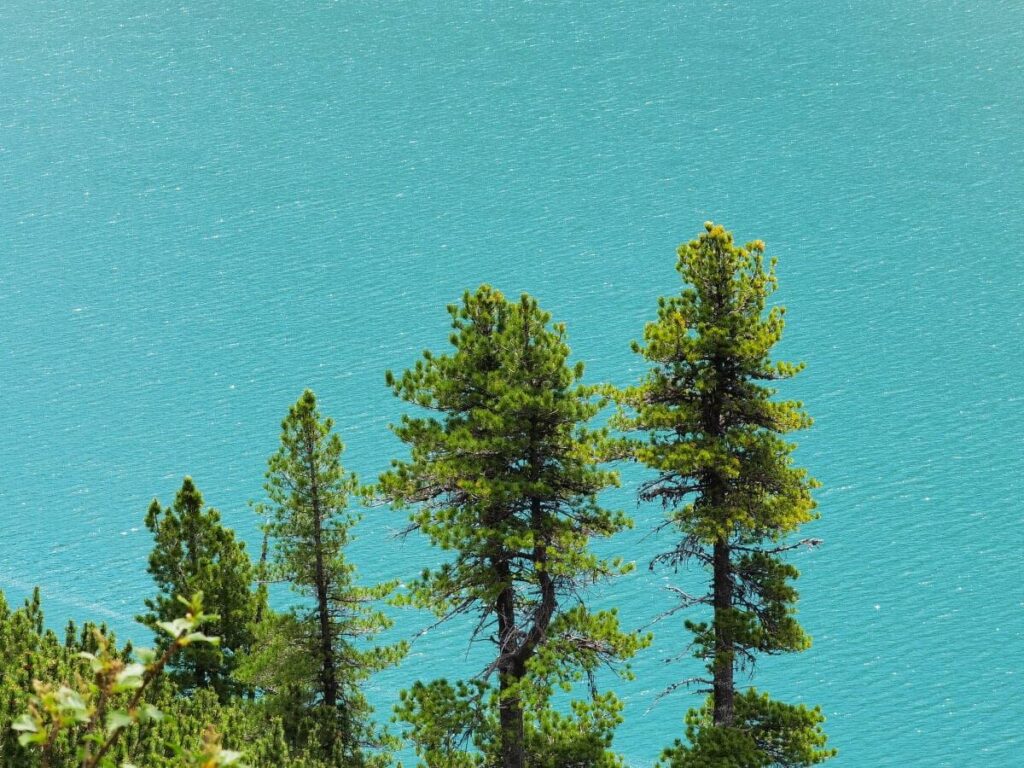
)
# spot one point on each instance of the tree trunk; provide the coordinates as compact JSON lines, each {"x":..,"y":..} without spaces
{"x":513,"y":737}
{"x":723,"y":683}
{"x":328,"y":673}
{"x":723,"y":686}
{"x":510,"y":707}
{"x":328,"y":677}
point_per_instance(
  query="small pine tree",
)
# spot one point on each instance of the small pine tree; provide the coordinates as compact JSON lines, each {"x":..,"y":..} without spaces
{"x":313,"y":659}
{"x":714,"y":438}
{"x":92,"y":706}
{"x":194,"y":552}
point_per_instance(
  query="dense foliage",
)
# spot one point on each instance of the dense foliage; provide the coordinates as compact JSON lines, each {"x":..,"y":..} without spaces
{"x":93,"y":705}
{"x":503,"y":476}
{"x":723,"y":470}
{"x":311,"y":659}
{"x":193,"y":553}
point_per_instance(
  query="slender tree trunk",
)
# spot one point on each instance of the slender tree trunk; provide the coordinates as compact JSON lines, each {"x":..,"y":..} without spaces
{"x":328,"y":676}
{"x":723,"y":673}
{"x":328,"y":673}
{"x":510,"y":707}
{"x":513,"y":736}
{"x":723,"y":685}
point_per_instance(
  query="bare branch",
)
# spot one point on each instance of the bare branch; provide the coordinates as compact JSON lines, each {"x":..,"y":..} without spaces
{"x":675,"y":686}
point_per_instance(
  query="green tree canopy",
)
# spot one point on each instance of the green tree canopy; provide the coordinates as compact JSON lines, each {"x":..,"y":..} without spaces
{"x":504,"y":475}
{"x":42,"y":676}
{"x":193,"y":552}
{"x":713,"y":434}
{"x":316,"y":657}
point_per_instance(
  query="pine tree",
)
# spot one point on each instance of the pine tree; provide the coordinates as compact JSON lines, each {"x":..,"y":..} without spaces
{"x":505,"y":476}
{"x":193,"y":552}
{"x":316,"y":656}
{"x":714,"y":437}
{"x":38,"y":665}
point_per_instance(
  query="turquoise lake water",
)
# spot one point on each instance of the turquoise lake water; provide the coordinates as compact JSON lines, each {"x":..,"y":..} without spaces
{"x":206,"y":207}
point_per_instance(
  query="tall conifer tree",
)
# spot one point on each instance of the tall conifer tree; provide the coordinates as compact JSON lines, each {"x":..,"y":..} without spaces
{"x":505,"y":475}
{"x":714,"y":437}
{"x":194,"y":552}
{"x":318,"y":653}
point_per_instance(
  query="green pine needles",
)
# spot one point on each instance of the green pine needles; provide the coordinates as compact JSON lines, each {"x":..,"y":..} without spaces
{"x":193,"y":552}
{"x":315,"y":658}
{"x":504,"y":473}
{"x":504,"y":477}
{"x":713,"y":434}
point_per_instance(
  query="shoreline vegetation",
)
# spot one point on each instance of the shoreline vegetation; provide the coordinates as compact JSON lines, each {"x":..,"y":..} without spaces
{"x":502,"y":477}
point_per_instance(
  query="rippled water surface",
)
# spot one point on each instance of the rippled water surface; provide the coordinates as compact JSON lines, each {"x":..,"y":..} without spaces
{"x":205,"y":207}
